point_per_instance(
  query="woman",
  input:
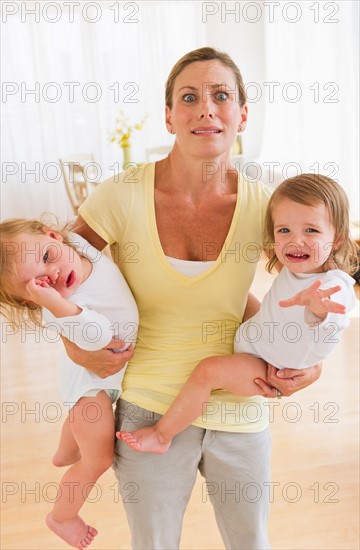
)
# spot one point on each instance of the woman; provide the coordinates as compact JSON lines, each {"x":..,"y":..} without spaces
{"x":182,"y":231}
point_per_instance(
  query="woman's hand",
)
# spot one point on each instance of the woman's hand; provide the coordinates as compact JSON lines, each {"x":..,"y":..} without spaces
{"x":103,"y":362}
{"x":287,"y":381}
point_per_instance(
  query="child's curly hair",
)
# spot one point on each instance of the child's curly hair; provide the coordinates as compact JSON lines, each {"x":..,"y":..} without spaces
{"x":12,"y":307}
{"x":310,"y":190}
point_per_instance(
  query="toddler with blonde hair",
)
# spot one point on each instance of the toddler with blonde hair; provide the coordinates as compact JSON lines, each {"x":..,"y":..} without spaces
{"x":79,"y":291}
{"x":307,"y":231}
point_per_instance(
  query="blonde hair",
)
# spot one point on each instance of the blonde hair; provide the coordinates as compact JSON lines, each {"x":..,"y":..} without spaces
{"x":14,"y":309}
{"x":203,"y":54}
{"x":310,"y":190}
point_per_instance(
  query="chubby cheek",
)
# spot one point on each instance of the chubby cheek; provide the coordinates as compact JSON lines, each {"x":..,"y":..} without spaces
{"x":64,"y":292}
{"x":321,"y":253}
{"x":280,"y":247}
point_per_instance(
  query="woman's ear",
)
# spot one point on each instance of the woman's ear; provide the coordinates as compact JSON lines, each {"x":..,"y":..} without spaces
{"x":53,"y":234}
{"x":168,"y":120}
{"x":244,"y":115}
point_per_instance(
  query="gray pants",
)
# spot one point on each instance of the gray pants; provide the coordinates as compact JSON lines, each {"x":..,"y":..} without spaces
{"x":156,"y":488}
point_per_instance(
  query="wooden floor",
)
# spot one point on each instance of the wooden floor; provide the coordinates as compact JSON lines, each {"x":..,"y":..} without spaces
{"x":315,"y":466}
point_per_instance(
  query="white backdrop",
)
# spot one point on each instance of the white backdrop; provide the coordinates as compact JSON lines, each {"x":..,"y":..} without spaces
{"x":66,"y":81}
{"x":69,"y":68}
{"x":312,"y":70}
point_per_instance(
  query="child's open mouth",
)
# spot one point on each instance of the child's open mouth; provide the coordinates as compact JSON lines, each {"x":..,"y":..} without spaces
{"x":71,"y":279}
{"x":297,"y":257}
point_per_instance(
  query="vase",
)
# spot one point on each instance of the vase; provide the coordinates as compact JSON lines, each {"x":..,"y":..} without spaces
{"x":126,"y":156}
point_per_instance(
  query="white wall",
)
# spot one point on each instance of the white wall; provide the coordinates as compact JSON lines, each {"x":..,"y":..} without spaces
{"x":244,"y":41}
{"x":143,"y":53}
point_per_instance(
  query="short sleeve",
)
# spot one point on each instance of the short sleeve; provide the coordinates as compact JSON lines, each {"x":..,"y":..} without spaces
{"x":107,"y":207}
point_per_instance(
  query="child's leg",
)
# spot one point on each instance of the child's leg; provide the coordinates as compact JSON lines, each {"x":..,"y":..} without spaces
{"x":91,"y":422}
{"x":233,"y":373}
{"x":68,"y":451}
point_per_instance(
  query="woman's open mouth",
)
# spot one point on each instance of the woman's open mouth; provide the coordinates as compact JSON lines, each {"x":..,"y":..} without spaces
{"x":206,"y":131}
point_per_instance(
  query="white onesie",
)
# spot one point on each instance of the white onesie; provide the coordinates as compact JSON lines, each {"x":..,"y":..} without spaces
{"x":292,"y":337}
{"x":108,"y":309}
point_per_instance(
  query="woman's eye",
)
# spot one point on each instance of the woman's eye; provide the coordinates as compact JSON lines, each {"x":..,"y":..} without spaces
{"x":189,"y":98}
{"x":222,"y":96}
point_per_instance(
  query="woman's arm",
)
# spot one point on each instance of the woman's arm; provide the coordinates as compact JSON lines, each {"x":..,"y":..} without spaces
{"x":84,"y":230}
{"x":106,"y":361}
{"x":252,"y":307}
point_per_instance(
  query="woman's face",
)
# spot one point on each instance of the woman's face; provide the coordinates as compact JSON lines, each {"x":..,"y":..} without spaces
{"x":206,"y":114}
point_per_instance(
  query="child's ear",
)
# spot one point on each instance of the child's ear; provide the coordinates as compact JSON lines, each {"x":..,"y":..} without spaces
{"x":53,"y":234}
{"x":338,"y":244}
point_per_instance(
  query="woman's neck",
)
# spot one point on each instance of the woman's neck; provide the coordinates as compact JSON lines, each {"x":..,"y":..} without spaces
{"x":196,"y":176}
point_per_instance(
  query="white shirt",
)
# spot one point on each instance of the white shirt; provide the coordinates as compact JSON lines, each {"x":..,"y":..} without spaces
{"x":291,"y":337}
{"x":108,"y":309}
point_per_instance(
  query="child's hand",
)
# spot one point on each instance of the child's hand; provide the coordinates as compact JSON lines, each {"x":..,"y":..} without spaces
{"x":44,"y":295}
{"x":316,"y":300}
{"x":41,"y":293}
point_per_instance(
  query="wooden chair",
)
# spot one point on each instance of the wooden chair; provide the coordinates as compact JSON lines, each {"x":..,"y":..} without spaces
{"x":74,"y":169}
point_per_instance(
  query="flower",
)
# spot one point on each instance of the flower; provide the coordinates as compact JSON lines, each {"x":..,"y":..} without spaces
{"x":123,"y":130}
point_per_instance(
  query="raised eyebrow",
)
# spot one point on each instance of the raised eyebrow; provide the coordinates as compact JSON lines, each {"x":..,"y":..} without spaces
{"x":192,"y":88}
{"x":223,"y":87}
{"x":209,"y":85}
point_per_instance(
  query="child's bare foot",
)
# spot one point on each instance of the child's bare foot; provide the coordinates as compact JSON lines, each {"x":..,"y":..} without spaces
{"x":73,"y":531}
{"x":145,"y":440}
{"x":60,"y":459}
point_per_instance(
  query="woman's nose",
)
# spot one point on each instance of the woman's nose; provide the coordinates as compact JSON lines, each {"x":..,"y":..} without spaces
{"x":207,"y":108}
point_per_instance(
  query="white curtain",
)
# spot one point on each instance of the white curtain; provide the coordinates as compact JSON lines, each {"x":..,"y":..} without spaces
{"x":84,"y":65}
{"x":309,"y":94}
{"x":312,"y":93}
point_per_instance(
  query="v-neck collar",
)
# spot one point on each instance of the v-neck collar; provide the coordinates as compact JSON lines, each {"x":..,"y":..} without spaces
{"x":185,"y":279}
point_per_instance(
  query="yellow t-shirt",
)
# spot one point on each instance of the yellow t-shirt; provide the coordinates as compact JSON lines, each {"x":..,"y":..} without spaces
{"x":182,"y":319}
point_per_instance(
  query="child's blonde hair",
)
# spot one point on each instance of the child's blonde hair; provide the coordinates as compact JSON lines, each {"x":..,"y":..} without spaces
{"x":14,"y":308}
{"x":310,"y":190}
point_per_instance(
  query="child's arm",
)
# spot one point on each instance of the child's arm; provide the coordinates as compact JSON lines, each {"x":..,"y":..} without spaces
{"x":40,"y":292}
{"x":317,"y":306}
{"x":86,"y":328}
{"x":316,"y":300}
